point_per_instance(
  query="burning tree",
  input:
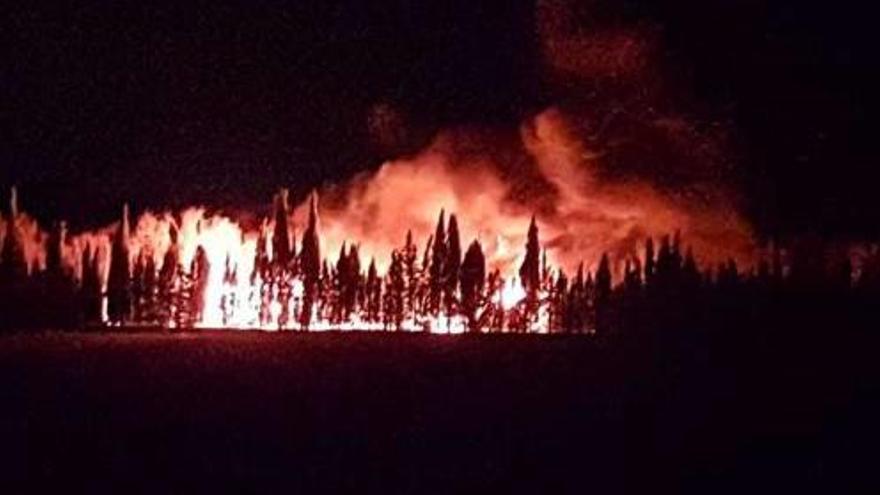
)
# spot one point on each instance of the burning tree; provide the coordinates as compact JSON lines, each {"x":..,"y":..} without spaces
{"x":119,"y":277}
{"x":473,"y":278}
{"x":261,"y":280}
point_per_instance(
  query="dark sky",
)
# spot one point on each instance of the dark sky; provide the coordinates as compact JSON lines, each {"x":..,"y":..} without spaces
{"x":167,"y":104}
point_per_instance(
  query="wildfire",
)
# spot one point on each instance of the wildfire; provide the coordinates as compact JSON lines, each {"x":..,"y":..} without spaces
{"x":398,"y":266}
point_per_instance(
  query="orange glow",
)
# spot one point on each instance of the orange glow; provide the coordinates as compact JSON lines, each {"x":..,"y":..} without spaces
{"x":580,"y":218}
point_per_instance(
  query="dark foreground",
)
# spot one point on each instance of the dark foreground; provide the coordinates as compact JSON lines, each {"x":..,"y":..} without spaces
{"x":357,"y":412}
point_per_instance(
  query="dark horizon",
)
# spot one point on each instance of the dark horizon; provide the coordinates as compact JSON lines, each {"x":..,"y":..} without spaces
{"x":166,"y":106}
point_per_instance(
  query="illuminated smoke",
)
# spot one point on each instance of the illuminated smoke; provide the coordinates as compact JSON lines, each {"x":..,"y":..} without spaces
{"x":580,"y":216}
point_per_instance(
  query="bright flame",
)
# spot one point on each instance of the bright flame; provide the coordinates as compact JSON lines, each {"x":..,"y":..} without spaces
{"x":580,"y":217}
{"x":511,"y":294}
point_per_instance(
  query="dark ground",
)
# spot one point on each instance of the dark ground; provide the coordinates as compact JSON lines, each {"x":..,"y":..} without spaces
{"x":356,"y":412}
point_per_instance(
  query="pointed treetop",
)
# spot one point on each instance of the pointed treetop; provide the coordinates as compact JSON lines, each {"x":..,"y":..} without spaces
{"x":453,"y":224}
{"x":281,"y":236}
{"x":282,"y":196}
{"x":13,"y":202}
{"x":530,"y":270}
{"x":313,"y":211}
{"x":125,"y":227}
{"x":453,"y":242}
{"x":343,"y":250}
{"x":440,"y":231}
{"x":55,"y":248}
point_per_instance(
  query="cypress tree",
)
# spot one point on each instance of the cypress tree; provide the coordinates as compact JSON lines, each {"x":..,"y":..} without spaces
{"x":473,"y":278}
{"x":169,"y":280}
{"x":394,"y":293}
{"x":200,"y":270}
{"x":530,"y":270}
{"x":310,"y":265}
{"x":374,"y":293}
{"x":436,"y":271}
{"x":558,"y":299}
{"x":55,"y":250}
{"x":452,"y":265}
{"x":119,"y":276}
{"x":602,"y":297}
{"x":410,"y":253}
{"x":281,"y":248}
{"x":90,"y":287}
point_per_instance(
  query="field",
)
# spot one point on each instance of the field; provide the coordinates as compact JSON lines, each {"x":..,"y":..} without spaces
{"x":361,"y":412}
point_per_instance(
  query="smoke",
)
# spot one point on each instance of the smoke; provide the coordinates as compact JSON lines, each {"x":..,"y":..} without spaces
{"x":546,"y":171}
{"x":580,"y":215}
{"x":595,"y":170}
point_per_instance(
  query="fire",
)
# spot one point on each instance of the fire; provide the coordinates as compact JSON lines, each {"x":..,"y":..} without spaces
{"x":511,"y":294}
{"x":206,"y":269}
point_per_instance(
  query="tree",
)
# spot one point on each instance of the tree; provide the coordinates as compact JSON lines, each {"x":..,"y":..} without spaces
{"x":650,"y":262}
{"x":137,"y":286}
{"x":577,"y":304}
{"x":228,"y":301}
{"x":282,"y":251}
{"x":602,"y":297}
{"x":558,"y":304}
{"x":55,"y":250}
{"x":310,"y":264}
{"x":530,"y":270}
{"x":200,"y":269}
{"x":169,"y":280}
{"x":353,"y":282}
{"x":409,"y":254}
{"x":261,"y":276}
{"x":451,"y":266}
{"x":13,"y":263}
{"x":119,"y":277}
{"x":473,"y":278}
{"x":373,"y":293}
{"x":90,"y":286}
{"x":436,"y":272}
{"x":394,"y":287}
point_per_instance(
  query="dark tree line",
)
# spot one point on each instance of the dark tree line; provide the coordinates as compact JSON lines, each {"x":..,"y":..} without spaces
{"x":659,"y":292}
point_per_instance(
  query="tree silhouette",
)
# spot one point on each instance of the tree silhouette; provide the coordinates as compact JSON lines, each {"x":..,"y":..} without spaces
{"x":530,"y":270}
{"x":437,"y":271}
{"x":373,"y":293}
{"x":119,"y":277}
{"x":473,"y":278}
{"x":282,"y":251}
{"x":558,"y":305}
{"x":394,"y":288}
{"x":55,"y":249}
{"x":90,"y":287}
{"x":169,"y":280}
{"x":451,"y":266}
{"x":310,"y":265}
{"x":412,"y":273}
{"x":602,"y":297}
{"x":200,"y":269}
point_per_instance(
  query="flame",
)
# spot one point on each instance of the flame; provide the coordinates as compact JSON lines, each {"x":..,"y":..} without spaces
{"x":512,"y":293}
{"x":581,"y":217}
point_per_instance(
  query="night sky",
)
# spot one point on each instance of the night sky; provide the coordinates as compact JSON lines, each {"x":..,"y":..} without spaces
{"x":177,"y":103}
